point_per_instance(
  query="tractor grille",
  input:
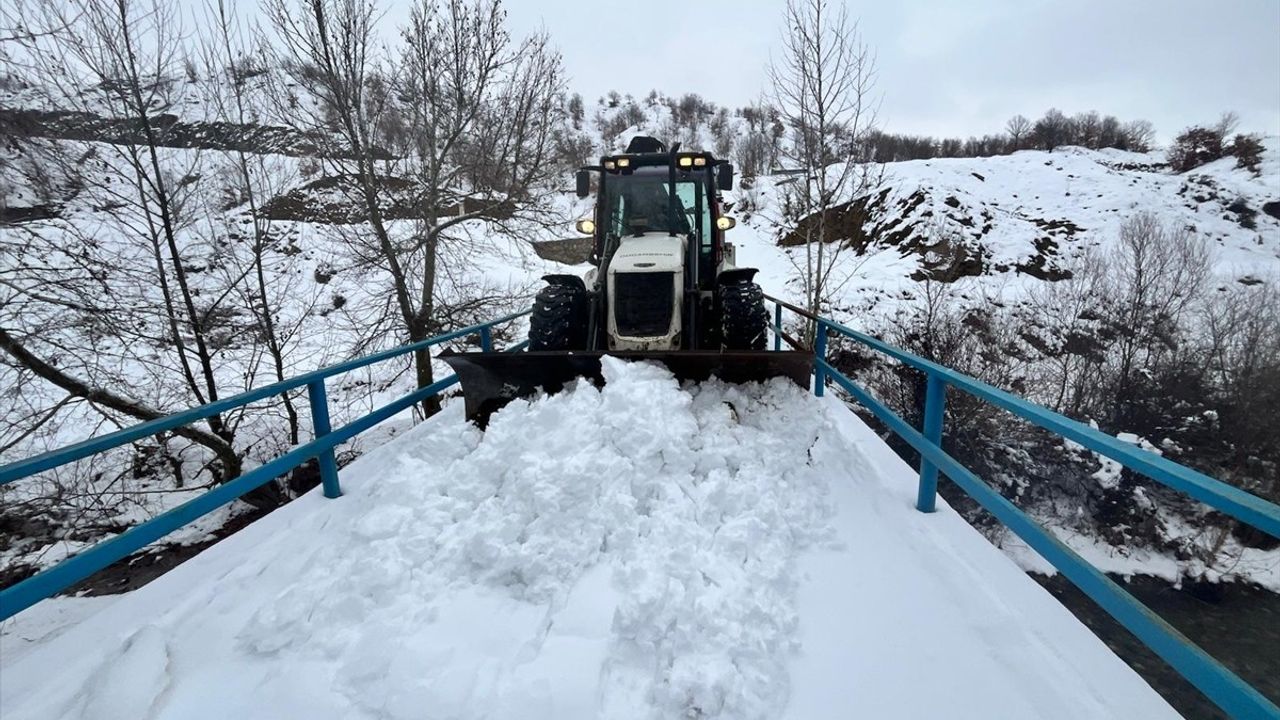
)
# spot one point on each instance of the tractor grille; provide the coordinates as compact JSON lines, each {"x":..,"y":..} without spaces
{"x":642,"y":303}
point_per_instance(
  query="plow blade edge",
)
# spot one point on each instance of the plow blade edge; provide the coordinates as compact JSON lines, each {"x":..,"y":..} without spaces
{"x":491,"y":380}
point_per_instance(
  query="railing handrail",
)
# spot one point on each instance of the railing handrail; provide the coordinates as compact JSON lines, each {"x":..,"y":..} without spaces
{"x":1216,"y":681}
{"x":1240,"y":504}
{"x":94,"y":445}
{"x":27,"y":592}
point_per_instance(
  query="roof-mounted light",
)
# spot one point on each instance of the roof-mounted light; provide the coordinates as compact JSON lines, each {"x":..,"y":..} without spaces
{"x":609,"y":165}
{"x":684,"y":161}
{"x":624,"y":162}
{"x":699,"y":162}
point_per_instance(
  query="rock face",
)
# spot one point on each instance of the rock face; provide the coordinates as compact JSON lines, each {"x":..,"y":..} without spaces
{"x":333,"y":200}
{"x":570,"y":251}
{"x":172,"y":132}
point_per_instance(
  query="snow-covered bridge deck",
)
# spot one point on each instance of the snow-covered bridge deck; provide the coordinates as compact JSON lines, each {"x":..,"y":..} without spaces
{"x":637,"y":552}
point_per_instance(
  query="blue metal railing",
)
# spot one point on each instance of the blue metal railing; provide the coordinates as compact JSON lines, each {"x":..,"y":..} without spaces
{"x":1223,"y":687}
{"x":47,"y":583}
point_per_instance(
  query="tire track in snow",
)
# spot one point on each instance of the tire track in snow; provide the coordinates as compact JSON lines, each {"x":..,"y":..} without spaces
{"x":694,"y":501}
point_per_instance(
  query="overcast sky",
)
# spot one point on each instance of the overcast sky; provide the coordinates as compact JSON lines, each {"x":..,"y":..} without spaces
{"x":946,"y":67}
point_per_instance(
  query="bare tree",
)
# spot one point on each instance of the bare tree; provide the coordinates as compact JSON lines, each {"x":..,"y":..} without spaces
{"x":1139,"y":135}
{"x":822,"y":86}
{"x":112,"y":401}
{"x":1087,"y":129}
{"x":757,"y":151}
{"x":23,"y":25}
{"x":1072,"y":311}
{"x":1157,"y":273}
{"x":461,"y":130}
{"x":480,"y":114}
{"x":1052,"y":130}
{"x":1018,"y":127}
{"x":118,"y":58}
{"x":1227,"y":124}
{"x":228,"y":63}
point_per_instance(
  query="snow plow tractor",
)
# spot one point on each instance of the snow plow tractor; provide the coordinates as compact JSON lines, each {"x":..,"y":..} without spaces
{"x":664,"y":286}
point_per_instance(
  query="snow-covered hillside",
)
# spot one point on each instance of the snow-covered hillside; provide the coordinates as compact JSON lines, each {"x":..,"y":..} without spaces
{"x":1007,"y":224}
{"x":640,"y":551}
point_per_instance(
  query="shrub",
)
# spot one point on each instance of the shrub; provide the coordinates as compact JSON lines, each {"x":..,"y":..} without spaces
{"x":1195,"y":147}
{"x":1248,"y":152}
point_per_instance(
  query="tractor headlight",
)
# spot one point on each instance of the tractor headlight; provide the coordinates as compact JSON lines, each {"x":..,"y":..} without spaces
{"x":624,"y":162}
{"x":609,"y":165}
{"x":699,"y":162}
{"x":586,"y":226}
{"x":724,"y":222}
{"x":684,"y":161}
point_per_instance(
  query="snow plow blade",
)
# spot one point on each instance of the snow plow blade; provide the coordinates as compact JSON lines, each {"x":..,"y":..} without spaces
{"x":491,"y":380}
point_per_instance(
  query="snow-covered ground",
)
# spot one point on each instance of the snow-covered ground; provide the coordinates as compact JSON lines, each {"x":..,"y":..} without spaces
{"x":639,"y":551}
{"x":1259,"y":567}
{"x":43,"y":622}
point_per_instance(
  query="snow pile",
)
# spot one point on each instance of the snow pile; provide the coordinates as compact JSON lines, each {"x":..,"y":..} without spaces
{"x":696,"y":503}
{"x":699,"y":509}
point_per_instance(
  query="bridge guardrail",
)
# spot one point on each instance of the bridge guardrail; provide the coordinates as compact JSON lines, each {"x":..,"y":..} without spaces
{"x":1227,"y":690}
{"x":50,"y":581}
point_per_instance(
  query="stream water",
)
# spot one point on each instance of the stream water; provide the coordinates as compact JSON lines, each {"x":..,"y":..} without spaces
{"x":1240,"y":626}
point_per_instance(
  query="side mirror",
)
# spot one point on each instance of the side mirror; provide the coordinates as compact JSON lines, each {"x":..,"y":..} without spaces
{"x":584,"y":183}
{"x":724,"y":222}
{"x":586,"y":226}
{"x":725,"y":176}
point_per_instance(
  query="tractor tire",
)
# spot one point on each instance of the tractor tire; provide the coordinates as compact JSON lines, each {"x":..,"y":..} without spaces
{"x":559,"y":318}
{"x":744,"y":321}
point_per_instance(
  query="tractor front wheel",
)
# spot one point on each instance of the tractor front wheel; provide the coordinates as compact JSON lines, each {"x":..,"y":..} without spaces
{"x":559,"y":318}
{"x":744,"y":321}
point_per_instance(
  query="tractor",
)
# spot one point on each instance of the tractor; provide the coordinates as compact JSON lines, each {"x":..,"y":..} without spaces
{"x":664,"y":286}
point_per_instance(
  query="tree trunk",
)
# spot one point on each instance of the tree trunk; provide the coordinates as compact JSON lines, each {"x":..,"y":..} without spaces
{"x":264,"y":498}
{"x":167,"y":223}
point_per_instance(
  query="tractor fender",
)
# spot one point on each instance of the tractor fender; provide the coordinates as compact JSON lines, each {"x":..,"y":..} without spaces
{"x":572,"y":281}
{"x":734,"y":276}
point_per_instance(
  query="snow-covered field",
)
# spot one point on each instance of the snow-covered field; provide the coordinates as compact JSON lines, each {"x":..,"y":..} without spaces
{"x":640,"y":551}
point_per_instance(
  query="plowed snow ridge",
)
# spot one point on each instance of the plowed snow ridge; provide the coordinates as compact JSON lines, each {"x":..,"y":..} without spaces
{"x":637,"y":552}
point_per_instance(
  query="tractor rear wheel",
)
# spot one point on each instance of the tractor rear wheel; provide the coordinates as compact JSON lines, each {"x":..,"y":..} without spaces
{"x":559,"y":318}
{"x":744,"y":321}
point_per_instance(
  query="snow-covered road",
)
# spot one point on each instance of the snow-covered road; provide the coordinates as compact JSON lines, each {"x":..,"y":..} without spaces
{"x":641,"y":551}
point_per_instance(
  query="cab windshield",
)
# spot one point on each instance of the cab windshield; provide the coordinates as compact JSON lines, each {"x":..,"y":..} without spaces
{"x":636,"y":204}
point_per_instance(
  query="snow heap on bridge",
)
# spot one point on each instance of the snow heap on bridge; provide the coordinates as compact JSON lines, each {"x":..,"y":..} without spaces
{"x":639,"y":551}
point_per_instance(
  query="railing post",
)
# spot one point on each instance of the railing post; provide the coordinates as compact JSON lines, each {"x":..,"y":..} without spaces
{"x":320,"y":422}
{"x":935,"y":403}
{"x":819,"y":355}
{"x":777,"y":326}
{"x":486,"y":339}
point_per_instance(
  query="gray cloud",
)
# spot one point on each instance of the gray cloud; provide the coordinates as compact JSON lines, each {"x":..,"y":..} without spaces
{"x":949,"y":68}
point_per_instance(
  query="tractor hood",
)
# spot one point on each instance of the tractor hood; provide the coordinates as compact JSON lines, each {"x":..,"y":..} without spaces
{"x":650,"y":252}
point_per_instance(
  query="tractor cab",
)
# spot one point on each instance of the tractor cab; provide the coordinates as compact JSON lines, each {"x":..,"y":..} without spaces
{"x":648,"y":191}
{"x":664,"y":287}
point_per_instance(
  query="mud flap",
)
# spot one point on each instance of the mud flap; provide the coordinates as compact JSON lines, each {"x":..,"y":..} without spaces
{"x":491,"y":380}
